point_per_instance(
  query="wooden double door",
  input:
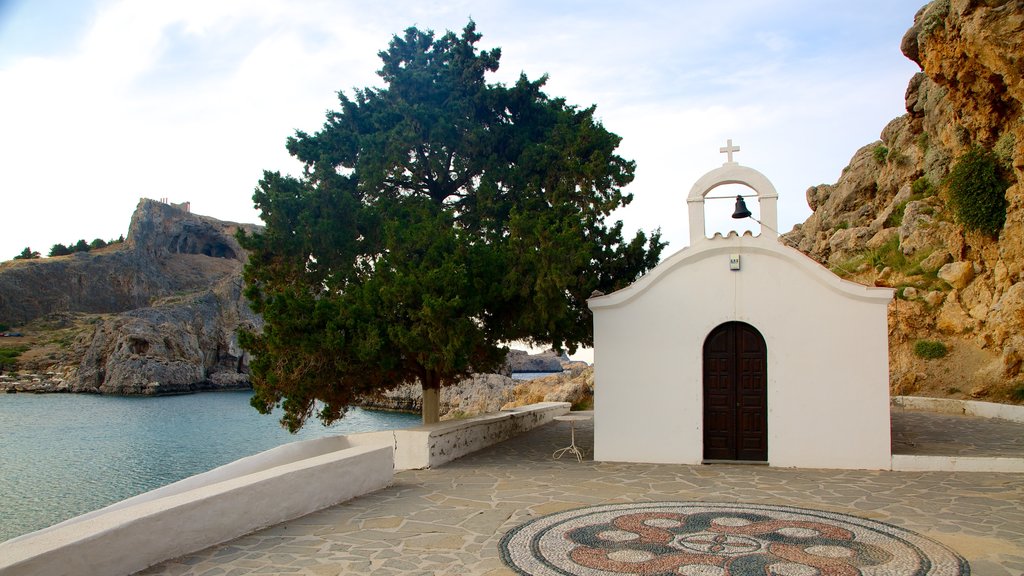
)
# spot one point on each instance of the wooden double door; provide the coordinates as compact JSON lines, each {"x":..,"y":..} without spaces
{"x":735,"y":394}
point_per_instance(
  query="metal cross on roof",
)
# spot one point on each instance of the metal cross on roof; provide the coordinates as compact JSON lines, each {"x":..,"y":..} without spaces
{"x":728,"y":150}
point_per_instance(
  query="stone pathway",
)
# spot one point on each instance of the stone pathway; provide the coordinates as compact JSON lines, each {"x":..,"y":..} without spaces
{"x":931,"y":434}
{"x":450,"y":520}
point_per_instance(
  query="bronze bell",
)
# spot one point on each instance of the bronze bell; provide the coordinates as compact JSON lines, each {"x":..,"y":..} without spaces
{"x":741,"y":209}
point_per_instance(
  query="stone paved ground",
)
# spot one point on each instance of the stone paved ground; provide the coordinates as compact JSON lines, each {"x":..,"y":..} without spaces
{"x":450,"y":520}
{"x":931,"y":434}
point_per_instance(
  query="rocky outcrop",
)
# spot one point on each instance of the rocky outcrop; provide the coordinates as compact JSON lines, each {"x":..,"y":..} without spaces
{"x":575,"y":387}
{"x":178,"y":346}
{"x":547,"y":361}
{"x":887,"y":220}
{"x":479,"y":394}
{"x":166,"y":303}
{"x":485,"y":393}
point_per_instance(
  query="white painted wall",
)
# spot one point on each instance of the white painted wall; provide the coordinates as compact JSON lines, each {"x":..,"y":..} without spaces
{"x":828,"y":394}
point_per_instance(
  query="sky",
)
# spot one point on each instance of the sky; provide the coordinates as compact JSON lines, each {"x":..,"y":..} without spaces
{"x":103,"y":102}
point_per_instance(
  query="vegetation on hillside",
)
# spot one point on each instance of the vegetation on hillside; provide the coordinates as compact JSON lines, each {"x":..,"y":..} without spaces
{"x":27,"y":254}
{"x":82,"y":246}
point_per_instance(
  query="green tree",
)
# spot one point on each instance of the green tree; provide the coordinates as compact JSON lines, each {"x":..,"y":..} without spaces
{"x":80,"y":246}
{"x":437,"y":218}
{"x":97,"y":243}
{"x":59,"y":250}
{"x":27,"y":254}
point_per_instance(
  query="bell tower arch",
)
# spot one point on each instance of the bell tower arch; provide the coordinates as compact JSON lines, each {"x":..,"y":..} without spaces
{"x":732,"y":172}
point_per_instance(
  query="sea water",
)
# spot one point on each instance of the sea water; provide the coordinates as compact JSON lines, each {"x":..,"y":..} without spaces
{"x":62,"y":455}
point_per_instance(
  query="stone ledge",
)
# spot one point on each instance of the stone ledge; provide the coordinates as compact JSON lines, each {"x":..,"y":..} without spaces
{"x":908,"y":463}
{"x":961,"y":407}
{"x":435,"y":444}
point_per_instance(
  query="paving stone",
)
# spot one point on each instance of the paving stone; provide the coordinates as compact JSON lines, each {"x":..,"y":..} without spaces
{"x":449,"y":520}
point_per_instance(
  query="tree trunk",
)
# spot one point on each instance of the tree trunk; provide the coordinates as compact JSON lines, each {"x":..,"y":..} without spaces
{"x":431,"y":398}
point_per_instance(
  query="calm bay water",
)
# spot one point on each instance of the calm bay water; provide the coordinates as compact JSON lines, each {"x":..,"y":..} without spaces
{"x":62,"y":455}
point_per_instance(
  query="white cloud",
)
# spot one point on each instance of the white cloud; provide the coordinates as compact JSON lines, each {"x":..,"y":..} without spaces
{"x":193,"y":99}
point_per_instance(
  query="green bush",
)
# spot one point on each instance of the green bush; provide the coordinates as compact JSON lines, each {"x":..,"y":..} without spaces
{"x":977,"y":191}
{"x":1004,"y":150}
{"x":59,"y":250}
{"x":921,"y":188}
{"x":896,"y":157}
{"x":888,"y":254}
{"x":1017,"y":393}
{"x":896,"y":218}
{"x":930,"y":349}
{"x":881,"y":153}
{"x":9,"y":357}
{"x":922,"y":141}
{"x":27,"y":254}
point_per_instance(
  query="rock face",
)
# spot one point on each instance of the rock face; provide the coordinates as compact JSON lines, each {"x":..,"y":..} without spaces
{"x":168,"y":301}
{"x":887,"y":220}
{"x":485,"y":393}
{"x":480,"y":394}
{"x":575,"y":387}
{"x":548,"y":361}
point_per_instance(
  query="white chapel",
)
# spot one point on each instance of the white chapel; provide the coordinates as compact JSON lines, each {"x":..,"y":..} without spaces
{"x":740,"y":348}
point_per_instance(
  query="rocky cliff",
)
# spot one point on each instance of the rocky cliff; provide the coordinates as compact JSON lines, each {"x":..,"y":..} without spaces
{"x":897,"y":216}
{"x":154,"y":315}
{"x":485,"y":393}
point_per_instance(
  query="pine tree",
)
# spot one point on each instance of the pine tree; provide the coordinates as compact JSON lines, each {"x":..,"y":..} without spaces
{"x":59,"y":250}
{"x":27,"y":254}
{"x":437,"y":219}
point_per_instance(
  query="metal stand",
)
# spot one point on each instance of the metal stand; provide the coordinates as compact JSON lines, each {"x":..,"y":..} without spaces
{"x":572,"y":448}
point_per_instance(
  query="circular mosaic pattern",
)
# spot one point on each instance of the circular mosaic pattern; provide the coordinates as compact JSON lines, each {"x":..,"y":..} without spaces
{"x":712,"y":539}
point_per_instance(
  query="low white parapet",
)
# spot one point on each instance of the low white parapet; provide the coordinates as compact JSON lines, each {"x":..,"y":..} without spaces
{"x":912,"y":463}
{"x":431,"y":445}
{"x":962,"y":407}
{"x":200,"y":512}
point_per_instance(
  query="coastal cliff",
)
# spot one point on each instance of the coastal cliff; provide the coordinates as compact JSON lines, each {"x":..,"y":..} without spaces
{"x":154,"y":315}
{"x":901,"y":215}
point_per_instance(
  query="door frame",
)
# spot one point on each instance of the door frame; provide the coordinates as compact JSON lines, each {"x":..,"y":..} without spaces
{"x":759,"y":402}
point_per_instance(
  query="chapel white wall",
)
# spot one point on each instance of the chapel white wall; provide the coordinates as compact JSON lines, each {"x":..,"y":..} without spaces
{"x":828,"y":398}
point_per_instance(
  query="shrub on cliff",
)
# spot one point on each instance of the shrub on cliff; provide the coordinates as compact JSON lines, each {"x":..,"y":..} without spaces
{"x":930,"y":349}
{"x":977,"y":191}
